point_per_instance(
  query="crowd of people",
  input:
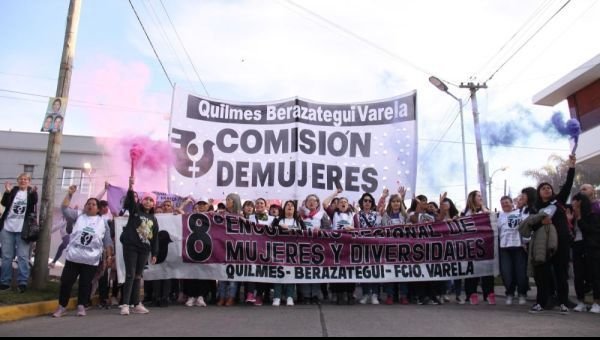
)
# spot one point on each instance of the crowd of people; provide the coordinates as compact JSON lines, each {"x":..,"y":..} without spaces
{"x":541,"y":232}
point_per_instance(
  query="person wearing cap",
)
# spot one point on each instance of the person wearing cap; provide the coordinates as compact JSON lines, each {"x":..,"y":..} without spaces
{"x":139,"y":239}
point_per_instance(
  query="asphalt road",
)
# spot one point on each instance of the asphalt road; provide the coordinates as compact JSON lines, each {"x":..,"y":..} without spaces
{"x":317,"y":321}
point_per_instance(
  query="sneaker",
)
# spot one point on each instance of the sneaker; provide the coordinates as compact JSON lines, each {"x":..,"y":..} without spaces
{"x":276,"y":302}
{"x":140,"y":309}
{"x":363,"y":300}
{"x":536,"y":309}
{"x":21,"y":289}
{"x":509,"y":300}
{"x":259,"y":301}
{"x":491,"y":299}
{"x":289,"y":302}
{"x":564,"y":310}
{"x":522,"y":300}
{"x":595,"y":309}
{"x":81,"y":310}
{"x":374,"y":299}
{"x":460,"y":300}
{"x":250,"y":298}
{"x":60,"y":312}
{"x":190,"y":302}
{"x":580,"y":308}
{"x":124,"y":309}
{"x":474,"y":299}
{"x":404,"y":300}
{"x":389,"y":301}
{"x":434,"y":302}
{"x":200,"y":302}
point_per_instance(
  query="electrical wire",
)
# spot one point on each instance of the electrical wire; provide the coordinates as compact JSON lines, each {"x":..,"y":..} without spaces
{"x":184,"y":49}
{"x":528,"y":40}
{"x":365,"y":40}
{"x":151,"y":44}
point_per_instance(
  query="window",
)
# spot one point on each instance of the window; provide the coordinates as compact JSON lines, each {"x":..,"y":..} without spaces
{"x":71,"y":177}
{"x":28,"y":169}
{"x":86,"y":184}
{"x":77,"y":177}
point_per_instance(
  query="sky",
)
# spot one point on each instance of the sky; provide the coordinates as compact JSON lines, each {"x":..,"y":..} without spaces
{"x":328,"y":51}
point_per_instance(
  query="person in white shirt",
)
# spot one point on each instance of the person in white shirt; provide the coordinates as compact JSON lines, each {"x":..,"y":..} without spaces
{"x":513,"y":258}
{"x":20,"y":202}
{"x":89,"y":242}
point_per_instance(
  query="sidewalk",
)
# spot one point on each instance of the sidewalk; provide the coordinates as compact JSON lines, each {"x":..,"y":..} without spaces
{"x":19,"y":312}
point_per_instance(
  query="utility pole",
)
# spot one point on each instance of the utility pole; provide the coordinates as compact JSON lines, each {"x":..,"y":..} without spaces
{"x":42,"y":252}
{"x":480,"y":163}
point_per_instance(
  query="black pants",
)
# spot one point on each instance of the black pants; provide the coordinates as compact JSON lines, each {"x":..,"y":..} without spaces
{"x":69,"y":275}
{"x":593,"y":268}
{"x":104,"y":287}
{"x":543,"y":279}
{"x":135,"y":260}
{"x":343,"y":287}
{"x":196,"y":288}
{"x":487,"y":285}
{"x":579,"y":269}
{"x":160,"y":290}
{"x":560,"y":265}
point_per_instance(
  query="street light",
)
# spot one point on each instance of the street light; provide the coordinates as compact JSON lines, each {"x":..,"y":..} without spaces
{"x":504,"y":168}
{"x":444,"y":88}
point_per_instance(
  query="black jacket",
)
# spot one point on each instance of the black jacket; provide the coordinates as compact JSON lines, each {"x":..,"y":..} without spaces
{"x":590,"y":228}
{"x":9,"y":197}
{"x":138,"y":233}
{"x":560,"y":217}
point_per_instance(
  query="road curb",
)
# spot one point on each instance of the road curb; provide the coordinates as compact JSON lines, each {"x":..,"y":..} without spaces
{"x":29,"y":310}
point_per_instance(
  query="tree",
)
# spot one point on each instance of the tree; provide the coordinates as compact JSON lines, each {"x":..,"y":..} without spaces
{"x":555,"y":173}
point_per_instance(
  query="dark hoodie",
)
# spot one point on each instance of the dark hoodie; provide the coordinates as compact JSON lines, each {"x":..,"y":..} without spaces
{"x":560,"y":217}
{"x":141,"y":231}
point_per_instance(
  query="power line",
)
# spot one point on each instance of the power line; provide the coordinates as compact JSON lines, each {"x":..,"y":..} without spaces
{"x":82,"y":103}
{"x":184,"y":49}
{"x":432,"y":150}
{"x":493,"y":145}
{"x":528,"y":40}
{"x":529,"y":20}
{"x":151,"y":44}
{"x":158,"y":22}
{"x":365,"y":40}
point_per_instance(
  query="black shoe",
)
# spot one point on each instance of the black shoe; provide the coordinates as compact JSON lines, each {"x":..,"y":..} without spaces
{"x":351,"y":300}
{"x":4,"y":288}
{"x":22,"y":289}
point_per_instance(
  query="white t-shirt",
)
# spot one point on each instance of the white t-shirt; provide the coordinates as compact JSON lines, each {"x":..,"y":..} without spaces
{"x":508,"y":225}
{"x":315,"y":221}
{"x":290,"y":223}
{"x":88,"y":240}
{"x":254,"y":219}
{"x":342,"y":220}
{"x":16,"y":214}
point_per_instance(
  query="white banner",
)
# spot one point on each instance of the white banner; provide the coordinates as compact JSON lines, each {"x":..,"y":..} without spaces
{"x":226,"y":247}
{"x":292,"y":148}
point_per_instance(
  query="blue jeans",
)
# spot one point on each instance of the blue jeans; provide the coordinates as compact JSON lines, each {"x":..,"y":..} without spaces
{"x":513,"y":267}
{"x":10,"y":241}
{"x":227,"y":289}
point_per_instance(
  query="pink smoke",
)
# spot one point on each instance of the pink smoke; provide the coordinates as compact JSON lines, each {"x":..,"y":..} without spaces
{"x":148,"y":155}
{"x":114,"y":101}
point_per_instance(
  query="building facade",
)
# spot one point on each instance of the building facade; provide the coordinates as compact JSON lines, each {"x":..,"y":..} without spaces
{"x":581,"y":88}
{"x":80,"y":160}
